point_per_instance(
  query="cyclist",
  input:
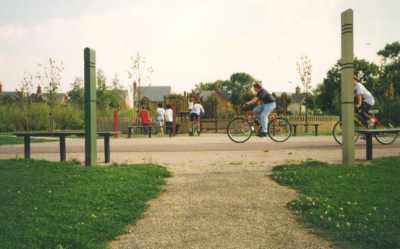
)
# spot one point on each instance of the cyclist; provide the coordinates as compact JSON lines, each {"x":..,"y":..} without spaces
{"x":266,"y":104}
{"x":363,"y":100}
{"x":195,"y":112}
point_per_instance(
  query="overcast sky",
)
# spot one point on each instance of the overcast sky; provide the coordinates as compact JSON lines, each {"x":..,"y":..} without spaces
{"x":189,"y":41}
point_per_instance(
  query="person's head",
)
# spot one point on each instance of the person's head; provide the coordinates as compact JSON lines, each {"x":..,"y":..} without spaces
{"x":356,"y":79}
{"x":159,"y":105}
{"x":257,"y":86}
{"x":143,"y":108}
{"x":168,"y":106}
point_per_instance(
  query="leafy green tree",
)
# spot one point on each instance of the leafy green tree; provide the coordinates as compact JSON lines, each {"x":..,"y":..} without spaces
{"x":238,"y":88}
{"x":327,"y":95}
{"x":75,"y":95}
{"x":391,"y":69}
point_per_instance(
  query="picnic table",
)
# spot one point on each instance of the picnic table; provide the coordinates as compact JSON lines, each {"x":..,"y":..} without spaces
{"x":294,"y":126}
{"x":62,"y":135}
{"x":369,"y":133}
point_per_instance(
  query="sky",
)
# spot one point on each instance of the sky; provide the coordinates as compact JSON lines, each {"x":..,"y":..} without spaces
{"x":189,"y":41}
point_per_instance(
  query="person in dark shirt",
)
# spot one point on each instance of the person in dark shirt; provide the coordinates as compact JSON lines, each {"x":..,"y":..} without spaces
{"x":266,"y":104}
{"x":145,"y":119}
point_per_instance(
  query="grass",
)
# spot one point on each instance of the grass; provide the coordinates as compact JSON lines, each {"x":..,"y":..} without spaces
{"x":359,"y":204}
{"x":11,"y":139}
{"x":66,"y":206}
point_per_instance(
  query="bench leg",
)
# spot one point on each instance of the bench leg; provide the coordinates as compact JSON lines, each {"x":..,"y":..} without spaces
{"x":368,"y":138}
{"x":316,"y":130}
{"x":129,"y":132}
{"x":27,"y":147}
{"x":106,"y":149}
{"x":63,"y":150}
{"x":294,"y":130}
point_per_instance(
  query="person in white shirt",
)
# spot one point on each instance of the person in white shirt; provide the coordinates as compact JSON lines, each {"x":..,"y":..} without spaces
{"x":169,"y":119}
{"x":196,"y":111}
{"x":363,"y":100}
{"x":160,"y":118}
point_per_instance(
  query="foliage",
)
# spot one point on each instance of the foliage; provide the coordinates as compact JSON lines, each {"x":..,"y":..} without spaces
{"x":68,"y":117}
{"x":11,"y":139}
{"x":356,"y":203}
{"x":76,"y":95}
{"x":64,"y":205}
{"x":328,"y":93}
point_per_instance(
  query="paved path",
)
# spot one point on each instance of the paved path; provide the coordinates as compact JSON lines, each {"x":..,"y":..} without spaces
{"x":220,"y":195}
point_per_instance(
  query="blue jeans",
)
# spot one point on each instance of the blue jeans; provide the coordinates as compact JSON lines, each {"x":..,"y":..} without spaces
{"x":262,"y":112}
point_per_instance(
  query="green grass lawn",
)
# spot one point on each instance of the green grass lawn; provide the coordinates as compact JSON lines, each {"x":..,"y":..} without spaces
{"x":64,"y":205}
{"x":11,"y":139}
{"x":357,"y":206}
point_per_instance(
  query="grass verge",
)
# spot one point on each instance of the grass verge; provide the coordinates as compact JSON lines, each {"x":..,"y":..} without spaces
{"x":57,"y":205}
{"x":11,"y":139}
{"x":358,"y":205}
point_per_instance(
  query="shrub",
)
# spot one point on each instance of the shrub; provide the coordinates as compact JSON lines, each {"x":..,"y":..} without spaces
{"x":68,"y":117}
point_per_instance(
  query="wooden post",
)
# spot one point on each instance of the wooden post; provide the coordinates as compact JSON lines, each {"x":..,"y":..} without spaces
{"x":27,"y":147}
{"x":106,"y":148}
{"x":116,"y":123}
{"x":174,"y":119}
{"x":90,"y":107}
{"x":63,"y":151}
{"x":347,"y":85}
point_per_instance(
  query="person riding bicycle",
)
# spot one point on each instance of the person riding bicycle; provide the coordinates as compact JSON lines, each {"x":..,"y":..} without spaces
{"x":195,"y":112}
{"x":364,"y":100}
{"x":266,"y":104}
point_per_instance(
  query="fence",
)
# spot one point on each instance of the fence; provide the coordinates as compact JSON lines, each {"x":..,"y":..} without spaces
{"x":214,"y":125}
{"x":326,"y":123}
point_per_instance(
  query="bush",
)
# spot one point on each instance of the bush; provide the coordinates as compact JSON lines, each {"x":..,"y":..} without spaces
{"x":390,"y":110}
{"x":68,"y":117}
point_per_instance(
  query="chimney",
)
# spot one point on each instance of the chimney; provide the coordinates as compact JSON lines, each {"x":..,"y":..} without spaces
{"x":39,"y":90}
{"x":297,"y":90}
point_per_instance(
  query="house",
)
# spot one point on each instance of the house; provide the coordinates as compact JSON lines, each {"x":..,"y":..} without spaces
{"x":155,"y":94}
{"x":295,"y":102}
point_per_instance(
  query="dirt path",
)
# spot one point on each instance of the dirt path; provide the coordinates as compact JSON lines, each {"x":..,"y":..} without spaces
{"x":220,"y":195}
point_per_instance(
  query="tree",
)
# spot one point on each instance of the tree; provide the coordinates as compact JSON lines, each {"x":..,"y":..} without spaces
{"x":75,"y":95}
{"x":238,"y":88}
{"x":206,"y":86}
{"x":50,"y":76}
{"x":101,"y":80}
{"x":391,"y":69}
{"x":328,"y":93}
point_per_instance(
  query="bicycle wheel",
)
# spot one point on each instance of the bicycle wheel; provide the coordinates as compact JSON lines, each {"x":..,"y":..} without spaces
{"x":337,"y":133}
{"x":386,"y":138}
{"x":279,"y":129}
{"x":239,"y":130}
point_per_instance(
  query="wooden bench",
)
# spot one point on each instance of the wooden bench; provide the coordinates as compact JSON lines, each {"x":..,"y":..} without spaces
{"x":62,"y":135}
{"x":369,"y":133}
{"x":294,"y":127}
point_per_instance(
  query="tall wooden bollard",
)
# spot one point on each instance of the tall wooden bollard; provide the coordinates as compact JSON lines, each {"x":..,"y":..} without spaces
{"x":90,"y":107}
{"x":347,"y":86}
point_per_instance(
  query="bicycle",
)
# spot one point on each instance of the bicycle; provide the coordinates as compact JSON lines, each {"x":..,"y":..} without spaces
{"x":382,"y":138}
{"x":240,"y":129}
{"x":196,"y":128}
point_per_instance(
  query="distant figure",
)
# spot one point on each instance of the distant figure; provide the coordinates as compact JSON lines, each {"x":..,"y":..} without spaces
{"x":364,"y":100}
{"x":196,"y":111}
{"x":169,"y":119}
{"x":161,"y":118}
{"x":191,"y":103}
{"x":145,"y":119}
